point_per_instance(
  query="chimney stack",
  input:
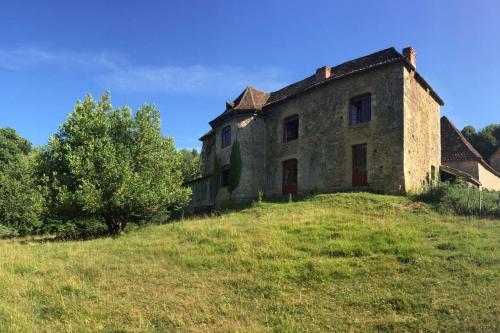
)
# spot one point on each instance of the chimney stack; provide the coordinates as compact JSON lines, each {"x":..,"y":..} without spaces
{"x":410,"y":55}
{"x":323,"y":73}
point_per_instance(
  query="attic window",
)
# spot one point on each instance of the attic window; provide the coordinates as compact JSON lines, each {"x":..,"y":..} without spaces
{"x":226,"y":136}
{"x":291,"y":128}
{"x":361,"y":110}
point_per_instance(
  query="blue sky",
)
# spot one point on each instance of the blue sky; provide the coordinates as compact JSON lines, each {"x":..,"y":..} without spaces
{"x":189,"y":57}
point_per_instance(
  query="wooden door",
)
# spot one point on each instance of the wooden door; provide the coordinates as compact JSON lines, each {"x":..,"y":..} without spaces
{"x":359,"y":166}
{"x":290,"y":177}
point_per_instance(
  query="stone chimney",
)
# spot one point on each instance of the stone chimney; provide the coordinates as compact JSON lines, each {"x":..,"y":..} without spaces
{"x":410,"y":55}
{"x":323,"y":73}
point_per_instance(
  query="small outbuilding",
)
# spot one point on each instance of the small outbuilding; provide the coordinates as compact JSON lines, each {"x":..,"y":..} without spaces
{"x":457,"y":154}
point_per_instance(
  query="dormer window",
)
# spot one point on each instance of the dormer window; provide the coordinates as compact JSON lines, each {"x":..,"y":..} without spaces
{"x":226,"y":137}
{"x":361,"y":110}
{"x":291,"y":128}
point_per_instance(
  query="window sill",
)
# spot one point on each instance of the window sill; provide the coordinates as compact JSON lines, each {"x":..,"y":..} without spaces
{"x":363,"y":124}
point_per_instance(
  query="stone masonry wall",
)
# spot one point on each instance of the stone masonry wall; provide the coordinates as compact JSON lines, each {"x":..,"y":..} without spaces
{"x":323,"y":149}
{"x":422,"y":140}
{"x":250,"y":132}
{"x":207,"y":156}
{"x":471,"y":167}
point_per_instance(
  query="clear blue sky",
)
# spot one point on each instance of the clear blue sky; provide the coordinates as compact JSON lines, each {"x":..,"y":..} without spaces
{"x":189,"y":57}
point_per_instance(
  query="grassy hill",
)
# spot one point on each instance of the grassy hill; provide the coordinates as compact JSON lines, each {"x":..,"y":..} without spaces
{"x":342,"y":262}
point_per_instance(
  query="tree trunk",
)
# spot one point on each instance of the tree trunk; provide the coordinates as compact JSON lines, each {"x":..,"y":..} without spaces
{"x":116,"y":226}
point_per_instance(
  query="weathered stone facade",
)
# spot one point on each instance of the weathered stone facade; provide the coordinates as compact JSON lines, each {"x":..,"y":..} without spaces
{"x":323,"y":149}
{"x":422,"y":139}
{"x":402,"y":135}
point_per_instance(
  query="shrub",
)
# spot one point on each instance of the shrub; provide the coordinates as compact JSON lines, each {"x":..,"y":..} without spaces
{"x":458,"y":198}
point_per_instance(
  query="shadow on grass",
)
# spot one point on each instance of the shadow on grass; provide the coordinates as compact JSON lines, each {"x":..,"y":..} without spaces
{"x":210,"y":211}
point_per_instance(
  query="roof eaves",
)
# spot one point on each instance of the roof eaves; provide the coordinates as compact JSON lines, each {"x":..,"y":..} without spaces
{"x":208,"y":134}
{"x":460,"y":173}
{"x":420,"y":79}
{"x":230,"y":114}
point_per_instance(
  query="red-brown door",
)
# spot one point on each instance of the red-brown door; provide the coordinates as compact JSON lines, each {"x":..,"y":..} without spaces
{"x":290,"y":177}
{"x":359,"y":165}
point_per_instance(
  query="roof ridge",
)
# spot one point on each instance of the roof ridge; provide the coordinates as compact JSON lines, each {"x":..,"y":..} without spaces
{"x":462,"y":138}
{"x":392,"y":48}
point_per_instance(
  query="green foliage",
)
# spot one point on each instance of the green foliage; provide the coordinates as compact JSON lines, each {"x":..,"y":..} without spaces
{"x":235,"y":166}
{"x":345,"y":262}
{"x":458,"y":198}
{"x":21,"y":201}
{"x":105,"y":163}
{"x":486,"y":141}
{"x":12,"y":146}
{"x":190,"y":164}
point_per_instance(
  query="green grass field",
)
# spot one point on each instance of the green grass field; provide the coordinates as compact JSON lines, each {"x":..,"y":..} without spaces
{"x":343,"y":262}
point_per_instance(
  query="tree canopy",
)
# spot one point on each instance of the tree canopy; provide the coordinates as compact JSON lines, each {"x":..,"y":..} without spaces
{"x":12,"y":146}
{"x":191,"y":164}
{"x":486,"y":141}
{"x":104,"y":162}
{"x":21,"y":201}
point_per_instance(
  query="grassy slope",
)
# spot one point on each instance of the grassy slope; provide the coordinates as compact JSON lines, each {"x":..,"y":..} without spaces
{"x":358,"y":262}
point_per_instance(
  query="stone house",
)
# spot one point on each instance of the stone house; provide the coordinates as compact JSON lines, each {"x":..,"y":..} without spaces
{"x":372,"y":123}
{"x":458,"y":155}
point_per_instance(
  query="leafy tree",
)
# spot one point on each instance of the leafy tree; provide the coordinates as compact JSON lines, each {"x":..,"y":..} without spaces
{"x":104,"y":162}
{"x":469,"y":132}
{"x":486,"y":141}
{"x":21,"y":201}
{"x":234,"y":167}
{"x":12,"y":146}
{"x":191,"y":164}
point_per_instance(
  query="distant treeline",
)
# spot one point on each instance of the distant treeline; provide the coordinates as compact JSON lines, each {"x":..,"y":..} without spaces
{"x":104,"y":168}
{"x":486,"y":141}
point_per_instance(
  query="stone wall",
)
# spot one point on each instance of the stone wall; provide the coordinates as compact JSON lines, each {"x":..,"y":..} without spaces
{"x":323,"y":149}
{"x":471,"y":167}
{"x":422,"y":135}
{"x":202,"y":197}
{"x":207,"y":156}
{"x":250,"y":132}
